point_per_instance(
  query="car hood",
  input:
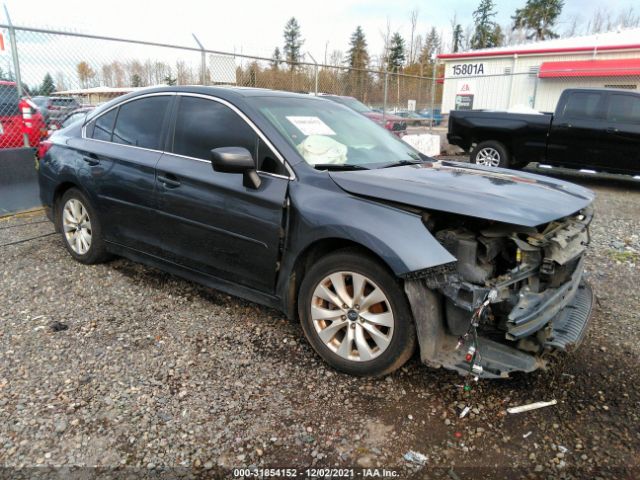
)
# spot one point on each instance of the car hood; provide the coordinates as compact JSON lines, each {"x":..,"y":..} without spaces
{"x":490,"y":193}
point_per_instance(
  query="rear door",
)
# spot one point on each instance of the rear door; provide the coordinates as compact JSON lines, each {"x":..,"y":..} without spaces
{"x":123,"y":148}
{"x":622,"y":134}
{"x":575,"y":136}
{"x":211,"y":222}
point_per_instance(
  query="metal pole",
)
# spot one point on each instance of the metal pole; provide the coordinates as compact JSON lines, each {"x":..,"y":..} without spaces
{"x":315,"y":70}
{"x":16,"y":67}
{"x":203,"y":61}
{"x":433,"y":96}
{"x":384,"y":104}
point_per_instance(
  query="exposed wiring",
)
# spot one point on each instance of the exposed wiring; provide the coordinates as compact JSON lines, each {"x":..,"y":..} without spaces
{"x":26,"y":239}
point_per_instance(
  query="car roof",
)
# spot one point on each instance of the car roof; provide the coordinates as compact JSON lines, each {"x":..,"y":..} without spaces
{"x":228,"y":93}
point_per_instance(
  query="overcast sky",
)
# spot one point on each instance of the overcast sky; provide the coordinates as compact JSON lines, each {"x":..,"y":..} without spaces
{"x":255,"y":27}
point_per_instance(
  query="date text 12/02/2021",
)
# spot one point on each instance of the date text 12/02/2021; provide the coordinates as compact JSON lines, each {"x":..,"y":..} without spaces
{"x":313,"y":473}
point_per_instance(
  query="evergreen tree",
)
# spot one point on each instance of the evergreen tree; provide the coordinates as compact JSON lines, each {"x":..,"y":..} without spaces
{"x":276,"y":59}
{"x":136,"y":81}
{"x":292,"y":42}
{"x":431,"y":46}
{"x":538,"y":17}
{"x":487,"y":33}
{"x":357,"y":55}
{"x":396,"y":53}
{"x":458,"y":37}
{"x":358,"y":58}
{"x":169,"y":80}
{"x":47,"y":87}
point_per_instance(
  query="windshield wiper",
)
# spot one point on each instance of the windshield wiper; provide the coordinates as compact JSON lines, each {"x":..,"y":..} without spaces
{"x":338,"y":166}
{"x":401,"y":163}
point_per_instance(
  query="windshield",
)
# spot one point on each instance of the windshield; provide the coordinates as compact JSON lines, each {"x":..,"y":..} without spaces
{"x":352,"y":103}
{"x":326,"y":133}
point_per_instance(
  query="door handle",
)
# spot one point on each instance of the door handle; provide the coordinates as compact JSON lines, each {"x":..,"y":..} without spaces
{"x":612,"y":130}
{"x":91,"y":159}
{"x":169,"y":181}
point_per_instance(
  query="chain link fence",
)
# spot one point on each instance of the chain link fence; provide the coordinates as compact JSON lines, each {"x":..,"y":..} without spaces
{"x":57,"y":73}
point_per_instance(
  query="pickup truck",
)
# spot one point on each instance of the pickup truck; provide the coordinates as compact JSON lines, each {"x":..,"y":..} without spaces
{"x":591,"y":129}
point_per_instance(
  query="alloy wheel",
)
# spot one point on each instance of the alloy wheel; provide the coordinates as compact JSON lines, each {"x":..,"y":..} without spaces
{"x":352,"y":316}
{"x":77,"y":226}
{"x":489,"y":157}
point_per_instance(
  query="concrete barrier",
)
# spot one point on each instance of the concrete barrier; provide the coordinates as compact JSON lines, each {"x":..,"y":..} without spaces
{"x":18,"y":180}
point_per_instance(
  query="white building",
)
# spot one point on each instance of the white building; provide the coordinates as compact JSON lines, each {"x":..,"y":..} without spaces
{"x":534,"y":75}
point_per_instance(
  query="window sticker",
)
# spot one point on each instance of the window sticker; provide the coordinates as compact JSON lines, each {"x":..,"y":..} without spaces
{"x":311,"y":126}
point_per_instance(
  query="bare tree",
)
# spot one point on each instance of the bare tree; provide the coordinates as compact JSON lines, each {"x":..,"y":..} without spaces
{"x":413,"y":18}
{"x":86,"y":74}
{"x":573,"y":28}
{"x":628,"y":18}
{"x":386,"y":39}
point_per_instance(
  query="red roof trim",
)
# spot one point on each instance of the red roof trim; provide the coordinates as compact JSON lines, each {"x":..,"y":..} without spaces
{"x":538,"y":51}
{"x":591,"y":68}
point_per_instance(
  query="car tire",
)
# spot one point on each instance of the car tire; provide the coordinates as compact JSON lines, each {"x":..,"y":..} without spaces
{"x":364,"y":339}
{"x":491,"y":154}
{"x":78,"y":222}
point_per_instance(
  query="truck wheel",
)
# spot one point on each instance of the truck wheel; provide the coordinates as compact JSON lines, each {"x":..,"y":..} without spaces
{"x":490,"y":154}
{"x":355,"y":314}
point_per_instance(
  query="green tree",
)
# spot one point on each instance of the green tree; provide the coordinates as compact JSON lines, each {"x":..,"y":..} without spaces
{"x":292,"y":42}
{"x":458,"y":37}
{"x":487,"y":32}
{"x":169,"y":80}
{"x":136,"y":81}
{"x":358,"y":59}
{"x":47,"y":87}
{"x":431,"y":47}
{"x":538,"y":18}
{"x":397,"y":54}
{"x":276,"y":59}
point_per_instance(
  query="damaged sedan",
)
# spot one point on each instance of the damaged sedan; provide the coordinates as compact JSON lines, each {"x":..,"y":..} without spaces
{"x":303,"y":205}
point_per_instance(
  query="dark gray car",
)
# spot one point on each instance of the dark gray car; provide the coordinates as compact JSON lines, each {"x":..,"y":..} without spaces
{"x":55,"y":108}
{"x":304,"y":205}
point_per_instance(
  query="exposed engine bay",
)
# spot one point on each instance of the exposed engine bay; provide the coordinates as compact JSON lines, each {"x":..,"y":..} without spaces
{"x":531,"y":279}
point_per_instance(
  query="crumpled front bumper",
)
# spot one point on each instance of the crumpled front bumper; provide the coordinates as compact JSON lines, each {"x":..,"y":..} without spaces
{"x":566,"y":313}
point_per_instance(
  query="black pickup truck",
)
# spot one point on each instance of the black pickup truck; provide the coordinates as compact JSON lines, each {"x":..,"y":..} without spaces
{"x":591,"y":129}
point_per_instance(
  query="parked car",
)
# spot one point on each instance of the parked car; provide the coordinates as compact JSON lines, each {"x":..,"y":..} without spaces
{"x":594,"y":129}
{"x":55,"y":109}
{"x":55,"y":127}
{"x":413,"y":119}
{"x":391,"y":122}
{"x":14,"y":122}
{"x":301,"y":204}
{"x":437,"y":115}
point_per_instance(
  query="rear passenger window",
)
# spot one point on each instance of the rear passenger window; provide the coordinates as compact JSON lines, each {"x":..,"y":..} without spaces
{"x":582,"y":105}
{"x":202,"y":125}
{"x":139,"y":122}
{"x":103,"y":126}
{"x":624,"y":109}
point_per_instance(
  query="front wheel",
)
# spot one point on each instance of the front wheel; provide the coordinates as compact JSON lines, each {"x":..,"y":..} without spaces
{"x":355,"y":315}
{"x":490,"y":154}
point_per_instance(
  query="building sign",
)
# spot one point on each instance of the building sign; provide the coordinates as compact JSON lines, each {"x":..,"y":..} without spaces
{"x":464,"y":95}
{"x":468,"y":69}
{"x":411,"y":105}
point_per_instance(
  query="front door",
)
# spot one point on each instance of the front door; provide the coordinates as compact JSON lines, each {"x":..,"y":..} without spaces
{"x":210,"y":221}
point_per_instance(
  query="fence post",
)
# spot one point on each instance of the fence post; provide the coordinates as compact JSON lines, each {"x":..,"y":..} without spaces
{"x":16,"y":66}
{"x":433,"y":95}
{"x":315,"y":73}
{"x":384,"y":102}
{"x":203,"y":61}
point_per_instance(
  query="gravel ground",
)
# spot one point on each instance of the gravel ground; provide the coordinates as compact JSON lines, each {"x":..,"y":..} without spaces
{"x":120,"y":365}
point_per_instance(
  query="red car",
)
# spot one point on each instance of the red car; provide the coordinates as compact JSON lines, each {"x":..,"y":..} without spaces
{"x":397,"y":125}
{"x":18,"y":116}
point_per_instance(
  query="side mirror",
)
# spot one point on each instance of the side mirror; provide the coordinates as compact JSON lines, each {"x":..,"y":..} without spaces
{"x":236,"y":160}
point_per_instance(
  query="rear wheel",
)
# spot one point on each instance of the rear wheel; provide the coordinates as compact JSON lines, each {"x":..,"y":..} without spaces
{"x":355,"y":315}
{"x":490,"y":154}
{"x":80,"y":227}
